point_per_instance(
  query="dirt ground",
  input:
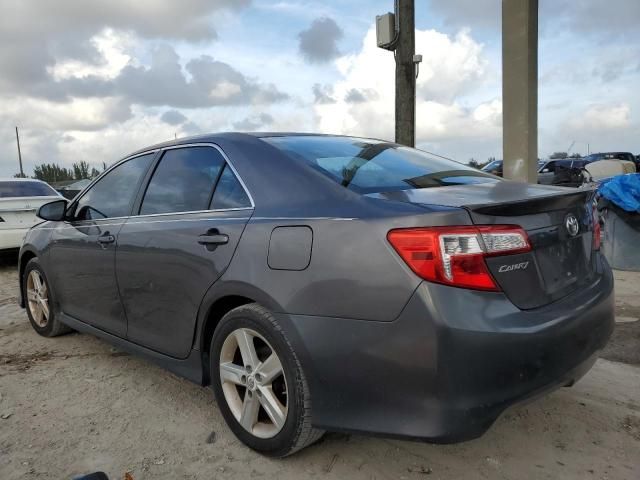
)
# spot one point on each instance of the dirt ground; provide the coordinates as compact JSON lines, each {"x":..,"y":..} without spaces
{"x":74,"y":404}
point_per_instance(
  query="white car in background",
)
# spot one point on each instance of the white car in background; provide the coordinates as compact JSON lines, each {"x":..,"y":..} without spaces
{"x":20,"y":199}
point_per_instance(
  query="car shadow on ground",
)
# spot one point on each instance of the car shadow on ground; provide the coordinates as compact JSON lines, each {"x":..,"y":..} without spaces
{"x":9,"y":258}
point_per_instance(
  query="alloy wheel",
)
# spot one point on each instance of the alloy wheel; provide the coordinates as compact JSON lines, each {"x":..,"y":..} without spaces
{"x":253,"y":383}
{"x":38,"y":298}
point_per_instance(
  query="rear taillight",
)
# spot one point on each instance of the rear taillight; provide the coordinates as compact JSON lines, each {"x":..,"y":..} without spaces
{"x":456,"y":255}
{"x":597,"y":229}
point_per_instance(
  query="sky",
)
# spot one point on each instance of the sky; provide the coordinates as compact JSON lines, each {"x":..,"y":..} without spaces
{"x":97,"y":80}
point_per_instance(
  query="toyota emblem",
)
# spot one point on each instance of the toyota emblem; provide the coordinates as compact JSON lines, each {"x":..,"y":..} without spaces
{"x":571,"y":224}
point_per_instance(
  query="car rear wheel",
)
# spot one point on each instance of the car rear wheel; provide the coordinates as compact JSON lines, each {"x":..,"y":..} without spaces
{"x":39,"y":303}
{"x":259,"y":383}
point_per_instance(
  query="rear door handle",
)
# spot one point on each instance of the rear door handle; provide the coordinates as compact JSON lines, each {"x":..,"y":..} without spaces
{"x":213,"y":238}
{"x":106,"y":238}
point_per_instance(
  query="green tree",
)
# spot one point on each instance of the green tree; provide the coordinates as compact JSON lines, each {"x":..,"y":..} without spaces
{"x":558,"y":155}
{"x":474,"y":163}
{"x":52,"y":172}
{"x":575,"y":155}
{"x":81,"y":170}
{"x":94,"y":172}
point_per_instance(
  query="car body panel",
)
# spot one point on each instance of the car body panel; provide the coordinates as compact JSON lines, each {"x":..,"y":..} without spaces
{"x":88,"y":273}
{"x":163,"y":273}
{"x":453,"y":376}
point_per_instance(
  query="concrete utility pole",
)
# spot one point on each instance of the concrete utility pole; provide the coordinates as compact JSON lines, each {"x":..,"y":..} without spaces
{"x":397,"y":32}
{"x":19,"y":154}
{"x":520,"y":89}
{"x":406,"y":74}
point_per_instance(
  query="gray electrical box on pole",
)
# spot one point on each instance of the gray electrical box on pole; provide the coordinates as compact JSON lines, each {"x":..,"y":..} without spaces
{"x":397,"y":32}
{"x":386,"y":30}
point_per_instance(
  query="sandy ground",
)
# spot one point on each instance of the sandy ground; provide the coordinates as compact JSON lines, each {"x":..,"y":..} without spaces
{"x":74,"y":404}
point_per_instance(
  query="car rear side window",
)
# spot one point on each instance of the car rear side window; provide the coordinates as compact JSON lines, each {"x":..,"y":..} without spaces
{"x":13,"y":189}
{"x":229,"y":192}
{"x":112,"y":196}
{"x":183,"y":181}
{"x":371,"y":166}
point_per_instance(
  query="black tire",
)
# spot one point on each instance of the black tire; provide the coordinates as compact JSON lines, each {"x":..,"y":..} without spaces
{"x":297,"y":432}
{"x":53,"y":326}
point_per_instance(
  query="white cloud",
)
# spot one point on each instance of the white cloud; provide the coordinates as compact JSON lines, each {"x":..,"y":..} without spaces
{"x":112,"y":47}
{"x":597,"y":118}
{"x":224,"y":90}
{"x":453,"y":66}
{"x":80,"y":114}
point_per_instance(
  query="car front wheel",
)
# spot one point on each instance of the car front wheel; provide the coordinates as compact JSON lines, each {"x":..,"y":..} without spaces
{"x":259,"y":383}
{"x":39,"y":301}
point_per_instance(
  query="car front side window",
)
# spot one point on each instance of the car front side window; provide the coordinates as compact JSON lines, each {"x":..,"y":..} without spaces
{"x":113,"y":195}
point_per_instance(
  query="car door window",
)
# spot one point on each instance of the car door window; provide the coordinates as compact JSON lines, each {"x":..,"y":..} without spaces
{"x":229,"y":192}
{"x":183,"y":181}
{"x":112,"y":196}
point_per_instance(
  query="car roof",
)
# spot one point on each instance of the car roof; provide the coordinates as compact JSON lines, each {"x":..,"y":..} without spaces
{"x":214,"y":137}
{"x":612,"y":153}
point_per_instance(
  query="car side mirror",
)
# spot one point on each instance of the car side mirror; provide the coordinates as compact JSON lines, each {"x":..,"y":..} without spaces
{"x":53,"y":211}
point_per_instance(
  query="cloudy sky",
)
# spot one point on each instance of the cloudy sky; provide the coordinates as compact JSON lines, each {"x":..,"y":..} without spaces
{"x":94,"y":80}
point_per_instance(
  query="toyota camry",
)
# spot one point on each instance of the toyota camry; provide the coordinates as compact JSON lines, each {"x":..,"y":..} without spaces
{"x":322,"y":283}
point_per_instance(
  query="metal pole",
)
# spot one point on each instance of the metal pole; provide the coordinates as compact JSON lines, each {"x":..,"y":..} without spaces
{"x":19,"y":154}
{"x":406,"y":74}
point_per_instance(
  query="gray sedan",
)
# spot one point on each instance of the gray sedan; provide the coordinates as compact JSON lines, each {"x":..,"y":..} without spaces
{"x":328,"y":283}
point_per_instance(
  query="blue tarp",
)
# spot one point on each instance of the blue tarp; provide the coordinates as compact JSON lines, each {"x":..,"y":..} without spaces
{"x":623,"y":191}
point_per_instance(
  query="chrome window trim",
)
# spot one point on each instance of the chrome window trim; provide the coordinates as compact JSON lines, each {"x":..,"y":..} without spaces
{"x":216,"y":210}
{"x":77,"y":222}
{"x":12,"y":210}
{"x":171,"y":147}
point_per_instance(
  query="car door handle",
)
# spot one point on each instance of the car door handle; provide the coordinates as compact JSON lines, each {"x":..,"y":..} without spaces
{"x":213,"y":238}
{"x":106,"y":238}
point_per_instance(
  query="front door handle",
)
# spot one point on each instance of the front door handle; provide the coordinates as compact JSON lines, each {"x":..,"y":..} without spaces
{"x":213,"y":237}
{"x":106,"y":238}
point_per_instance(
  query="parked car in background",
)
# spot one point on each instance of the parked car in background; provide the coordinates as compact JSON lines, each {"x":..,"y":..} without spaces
{"x":564,"y":172}
{"x":494,"y":168}
{"x":321,"y":282}
{"x":630,"y":157}
{"x":20,"y":198}
{"x":71,"y":190}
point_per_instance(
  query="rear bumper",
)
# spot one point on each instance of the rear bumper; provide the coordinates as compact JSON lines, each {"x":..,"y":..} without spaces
{"x":451,"y":363}
{"x":12,"y":237}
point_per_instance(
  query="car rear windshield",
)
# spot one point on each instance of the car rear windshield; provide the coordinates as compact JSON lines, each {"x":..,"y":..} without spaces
{"x":371,"y":166}
{"x":25,"y":189}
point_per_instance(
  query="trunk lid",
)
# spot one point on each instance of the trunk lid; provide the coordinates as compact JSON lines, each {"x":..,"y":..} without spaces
{"x":20,"y":212}
{"x":557,"y":220}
